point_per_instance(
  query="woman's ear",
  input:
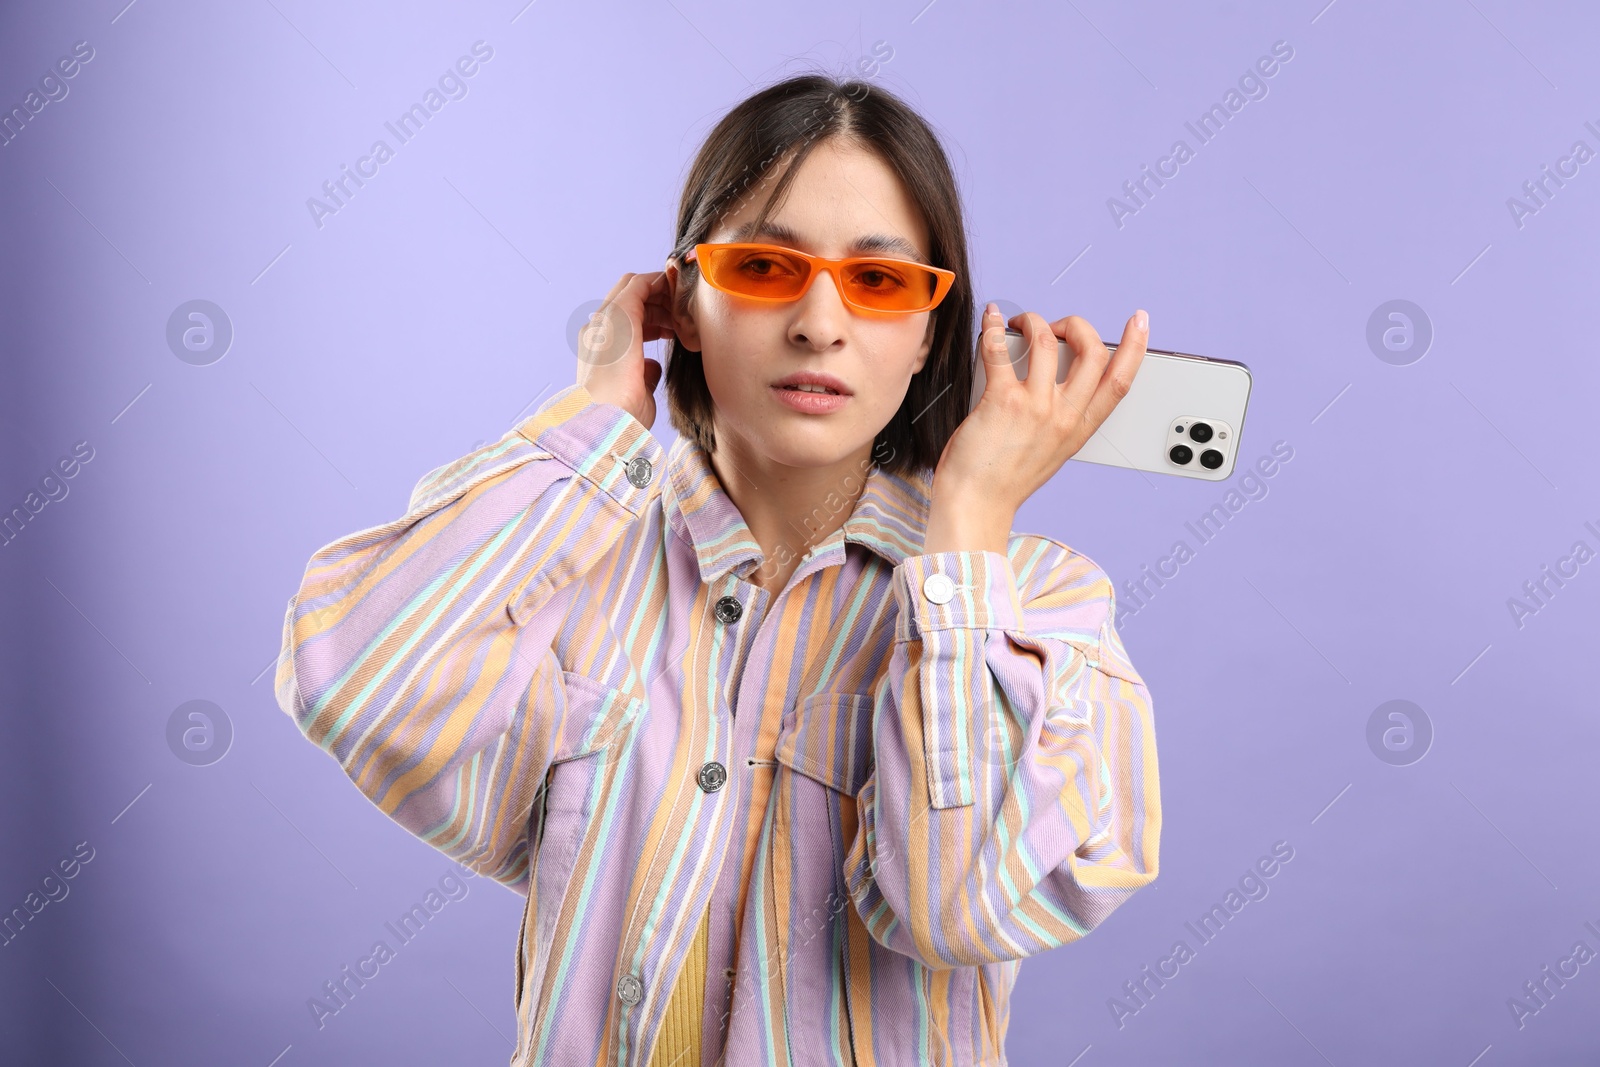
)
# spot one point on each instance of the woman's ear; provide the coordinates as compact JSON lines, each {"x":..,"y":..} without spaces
{"x":684,"y":328}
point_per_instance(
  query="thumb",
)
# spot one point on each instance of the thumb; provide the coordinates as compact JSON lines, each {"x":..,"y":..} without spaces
{"x":992,"y":341}
{"x":994,"y":355}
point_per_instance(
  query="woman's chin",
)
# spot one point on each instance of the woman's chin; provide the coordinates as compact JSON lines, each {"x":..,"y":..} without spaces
{"x":808,"y":448}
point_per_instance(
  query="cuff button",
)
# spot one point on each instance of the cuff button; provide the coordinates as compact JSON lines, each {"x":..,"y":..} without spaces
{"x":938,"y":588}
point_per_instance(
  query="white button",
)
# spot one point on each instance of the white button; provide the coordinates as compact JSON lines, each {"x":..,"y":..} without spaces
{"x":938,"y":588}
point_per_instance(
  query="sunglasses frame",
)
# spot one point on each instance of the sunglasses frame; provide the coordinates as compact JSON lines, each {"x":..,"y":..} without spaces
{"x":943,"y":279}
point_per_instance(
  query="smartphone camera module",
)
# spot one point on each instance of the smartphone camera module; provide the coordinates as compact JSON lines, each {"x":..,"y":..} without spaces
{"x":1185,"y":437}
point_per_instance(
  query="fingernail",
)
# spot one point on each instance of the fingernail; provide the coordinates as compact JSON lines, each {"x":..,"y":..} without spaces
{"x":991,"y":308}
{"x":1141,"y":321}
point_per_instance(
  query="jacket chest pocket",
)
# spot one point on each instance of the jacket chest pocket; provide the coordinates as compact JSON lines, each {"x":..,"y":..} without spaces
{"x":824,"y":754}
{"x":595,"y":719}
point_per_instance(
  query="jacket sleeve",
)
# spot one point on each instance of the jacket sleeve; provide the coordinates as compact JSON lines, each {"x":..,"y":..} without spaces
{"x":420,"y":653}
{"x":1013,"y":802}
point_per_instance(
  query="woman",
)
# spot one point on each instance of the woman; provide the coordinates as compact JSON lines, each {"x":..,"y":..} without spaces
{"x":793,"y":746}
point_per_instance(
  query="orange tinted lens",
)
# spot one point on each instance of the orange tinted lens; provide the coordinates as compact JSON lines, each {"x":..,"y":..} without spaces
{"x":889,"y":285}
{"x":759,"y":272}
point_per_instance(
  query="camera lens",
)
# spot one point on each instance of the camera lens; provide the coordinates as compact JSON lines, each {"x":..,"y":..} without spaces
{"x":1211,"y":459}
{"x":1180,"y":454}
{"x":1200,"y":431}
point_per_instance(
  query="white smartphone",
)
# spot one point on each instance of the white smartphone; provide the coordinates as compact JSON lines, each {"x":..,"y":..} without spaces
{"x":1183,"y":415}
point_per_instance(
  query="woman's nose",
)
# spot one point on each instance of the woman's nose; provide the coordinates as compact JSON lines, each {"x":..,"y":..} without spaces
{"x":820,"y":317}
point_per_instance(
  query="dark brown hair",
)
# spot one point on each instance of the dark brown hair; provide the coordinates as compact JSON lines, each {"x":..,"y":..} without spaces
{"x":780,"y":125}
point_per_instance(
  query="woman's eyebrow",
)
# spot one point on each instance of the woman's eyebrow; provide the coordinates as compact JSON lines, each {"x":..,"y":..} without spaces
{"x":872,"y":242}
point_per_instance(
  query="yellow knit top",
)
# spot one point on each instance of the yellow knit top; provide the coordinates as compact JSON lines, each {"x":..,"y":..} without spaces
{"x":679,"y":1043}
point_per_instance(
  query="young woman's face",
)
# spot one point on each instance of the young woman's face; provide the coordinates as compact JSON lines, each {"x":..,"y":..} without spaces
{"x":843,"y":195}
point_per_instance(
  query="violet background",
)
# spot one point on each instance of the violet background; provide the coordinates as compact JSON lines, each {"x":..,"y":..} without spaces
{"x":427,"y":315}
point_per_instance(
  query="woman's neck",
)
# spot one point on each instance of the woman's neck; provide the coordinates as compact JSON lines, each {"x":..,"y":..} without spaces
{"x":788,"y":509}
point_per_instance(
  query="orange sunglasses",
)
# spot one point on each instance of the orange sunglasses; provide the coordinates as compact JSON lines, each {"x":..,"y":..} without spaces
{"x":779,"y":274}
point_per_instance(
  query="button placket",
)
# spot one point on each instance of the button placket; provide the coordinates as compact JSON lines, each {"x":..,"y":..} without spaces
{"x":729,"y":609}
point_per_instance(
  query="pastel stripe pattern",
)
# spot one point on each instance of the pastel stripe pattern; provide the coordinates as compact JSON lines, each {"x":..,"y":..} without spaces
{"x":886,"y":797}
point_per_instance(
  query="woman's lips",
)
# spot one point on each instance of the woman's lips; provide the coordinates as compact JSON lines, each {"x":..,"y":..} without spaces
{"x":810,"y":403}
{"x":812,"y":390}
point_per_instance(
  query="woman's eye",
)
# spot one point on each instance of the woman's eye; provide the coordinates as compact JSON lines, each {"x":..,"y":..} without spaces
{"x":763,"y":266}
{"x":876,"y":279}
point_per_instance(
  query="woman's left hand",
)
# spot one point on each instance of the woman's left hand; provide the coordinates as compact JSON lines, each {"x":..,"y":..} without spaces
{"x":1022,"y":431}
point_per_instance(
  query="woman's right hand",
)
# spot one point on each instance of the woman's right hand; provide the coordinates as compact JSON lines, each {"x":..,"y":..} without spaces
{"x":611,"y":363}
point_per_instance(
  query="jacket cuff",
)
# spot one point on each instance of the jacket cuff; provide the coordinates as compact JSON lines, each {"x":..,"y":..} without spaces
{"x":602,"y":443}
{"x":956,"y":590}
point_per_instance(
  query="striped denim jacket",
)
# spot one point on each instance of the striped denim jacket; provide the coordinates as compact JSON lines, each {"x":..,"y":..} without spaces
{"x":890,"y":782}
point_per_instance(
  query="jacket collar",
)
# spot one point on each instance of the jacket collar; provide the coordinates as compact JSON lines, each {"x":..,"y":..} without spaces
{"x":890,"y":519}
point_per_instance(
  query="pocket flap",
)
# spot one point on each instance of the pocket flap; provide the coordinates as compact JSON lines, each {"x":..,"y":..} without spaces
{"x":828,"y":737}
